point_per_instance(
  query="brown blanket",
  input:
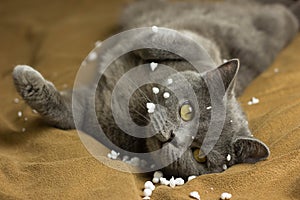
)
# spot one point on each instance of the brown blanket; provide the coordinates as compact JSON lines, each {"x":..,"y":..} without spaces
{"x":41,"y":162}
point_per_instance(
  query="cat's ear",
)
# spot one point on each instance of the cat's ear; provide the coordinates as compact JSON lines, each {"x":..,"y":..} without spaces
{"x":249,"y":150}
{"x":227,"y":72}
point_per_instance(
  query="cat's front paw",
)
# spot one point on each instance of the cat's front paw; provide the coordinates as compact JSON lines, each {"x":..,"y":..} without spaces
{"x":28,"y":81}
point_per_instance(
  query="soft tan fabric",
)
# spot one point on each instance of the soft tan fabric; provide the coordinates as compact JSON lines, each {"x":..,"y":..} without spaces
{"x":48,"y":163}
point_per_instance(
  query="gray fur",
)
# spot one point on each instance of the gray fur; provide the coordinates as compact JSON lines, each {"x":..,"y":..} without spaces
{"x":252,"y":32}
{"x":243,"y":29}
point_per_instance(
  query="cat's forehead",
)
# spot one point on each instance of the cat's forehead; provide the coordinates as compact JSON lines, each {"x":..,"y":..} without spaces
{"x":183,"y":81}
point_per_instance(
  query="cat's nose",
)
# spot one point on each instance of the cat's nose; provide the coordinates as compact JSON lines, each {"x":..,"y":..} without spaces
{"x":164,"y":136}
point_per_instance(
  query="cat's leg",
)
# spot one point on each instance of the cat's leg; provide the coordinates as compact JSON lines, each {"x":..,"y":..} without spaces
{"x":293,"y":5}
{"x":295,"y":8}
{"x":279,"y":25}
{"x":273,"y":27}
{"x":41,"y":95}
{"x":283,"y":2}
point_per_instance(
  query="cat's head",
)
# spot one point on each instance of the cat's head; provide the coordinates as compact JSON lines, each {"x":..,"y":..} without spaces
{"x":174,"y":117}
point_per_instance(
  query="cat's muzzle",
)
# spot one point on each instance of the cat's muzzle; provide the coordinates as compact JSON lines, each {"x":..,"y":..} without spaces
{"x":160,"y":125}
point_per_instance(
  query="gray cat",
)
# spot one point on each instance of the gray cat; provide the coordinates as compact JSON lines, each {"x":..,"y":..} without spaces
{"x":252,"y":32}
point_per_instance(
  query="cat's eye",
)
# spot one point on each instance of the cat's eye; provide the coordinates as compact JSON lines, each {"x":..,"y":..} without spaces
{"x":199,"y":156}
{"x":186,"y":111}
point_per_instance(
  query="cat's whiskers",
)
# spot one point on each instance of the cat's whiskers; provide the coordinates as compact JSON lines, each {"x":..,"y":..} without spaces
{"x":142,"y":97}
{"x":142,"y":103}
{"x":140,"y":114}
{"x":165,"y":119}
{"x":143,"y":94}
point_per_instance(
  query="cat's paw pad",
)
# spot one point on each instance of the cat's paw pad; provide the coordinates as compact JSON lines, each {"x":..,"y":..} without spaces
{"x":28,"y":81}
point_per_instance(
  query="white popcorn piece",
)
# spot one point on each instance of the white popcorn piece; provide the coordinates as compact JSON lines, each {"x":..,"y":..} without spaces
{"x":20,"y":114}
{"x":224,"y":166}
{"x":125,"y":158}
{"x":154,"y":29}
{"x":114,"y":154}
{"x":164,"y":181}
{"x":92,"y":56}
{"x":158,"y":174}
{"x":150,"y":110}
{"x":155,"y":90}
{"x":208,"y":108}
{"x":169,"y":81}
{"x":143,"y":163}
{"x":195,"y":195}
{"x":228,"y":158}
{"x":16,"y":100}
{"x":109,"y":155}
{"x":153,"y":65}
{"x":253,"y":101}
{"x":172,"y":182}
{"x":147,"y":192}
{"x":98,"y":43}
{"x":231,"y":121}
{"x":149,"y":185}
{"x":191,"y":178}
{"x":225,"y":195}
{"x":135,"y":161}
{"x":151,"y":107}
{"x":34,"y":111}
{"x":155,"y":180}
{"x":179,"y":181}
{"x":62,"y":92}
{"x":166,"y":95}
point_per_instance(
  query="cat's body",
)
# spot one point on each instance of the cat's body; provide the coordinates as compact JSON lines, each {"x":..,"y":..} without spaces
{"x":253,"y":33}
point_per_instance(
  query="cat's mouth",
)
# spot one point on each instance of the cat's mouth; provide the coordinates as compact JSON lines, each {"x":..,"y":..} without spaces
{"x":170,"y":140}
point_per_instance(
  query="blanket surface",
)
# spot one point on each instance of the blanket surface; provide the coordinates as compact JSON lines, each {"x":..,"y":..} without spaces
{"x":41,"y":162}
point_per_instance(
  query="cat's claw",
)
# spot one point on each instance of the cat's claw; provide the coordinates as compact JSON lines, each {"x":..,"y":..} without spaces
{"x":28,"y":81}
